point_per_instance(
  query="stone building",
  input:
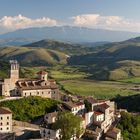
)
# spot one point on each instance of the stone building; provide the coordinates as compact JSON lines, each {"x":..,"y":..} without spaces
{"x":5,"y":120}
{"x":77,"y":108}
{"x":100,"y":119}
{"x":7,"y":85}
{"x":15,"y":86}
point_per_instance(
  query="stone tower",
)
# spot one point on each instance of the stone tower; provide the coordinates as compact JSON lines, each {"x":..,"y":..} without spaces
{"x":14,"y":71}
{"x":42,"y":75}
{"x":9,"y":84}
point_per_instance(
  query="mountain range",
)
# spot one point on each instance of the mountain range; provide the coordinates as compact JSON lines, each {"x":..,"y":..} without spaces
{"x":69,"y":34}
{"x":68,"y":48}
{"x":16,"y":41}
{"x":113,"y":61}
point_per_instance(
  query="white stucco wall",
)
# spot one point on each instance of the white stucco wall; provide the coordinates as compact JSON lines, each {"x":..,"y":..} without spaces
{"x":5,"y":123}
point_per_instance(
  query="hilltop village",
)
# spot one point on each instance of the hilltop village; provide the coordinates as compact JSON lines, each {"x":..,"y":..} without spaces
{"x":98,"y":121}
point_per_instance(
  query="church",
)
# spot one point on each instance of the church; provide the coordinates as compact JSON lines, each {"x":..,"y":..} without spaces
{"x":16,"y":86}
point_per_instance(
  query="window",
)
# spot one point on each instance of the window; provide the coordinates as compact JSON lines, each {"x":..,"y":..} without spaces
{"x":1,"y":118}
{"x":0,"y":128}
{"x":38,"y":93}
{"x":25,"y":93}
{"x":30,"y":93}
{"x":1,"y":124}
{"x":8,"y":118}
{"x":7,"y":128}
{"x":7,"y":123}
{"x":42,"y":92}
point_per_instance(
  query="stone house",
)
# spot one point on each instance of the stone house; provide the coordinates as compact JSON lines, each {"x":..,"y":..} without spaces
{"x":5,"y":120}
{"x":77,"y":108}
{"x":113,"y":134}
{"x":101,"y":117}
{"x":50,"y":118}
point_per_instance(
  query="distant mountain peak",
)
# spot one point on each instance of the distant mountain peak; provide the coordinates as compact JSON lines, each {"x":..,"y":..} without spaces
{"x":71,"y":34}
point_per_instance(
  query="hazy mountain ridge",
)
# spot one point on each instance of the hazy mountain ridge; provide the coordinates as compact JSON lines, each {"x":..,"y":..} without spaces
{"x":68,"y":48}
{"x":71,"y":34}
{"x":15,"y":41}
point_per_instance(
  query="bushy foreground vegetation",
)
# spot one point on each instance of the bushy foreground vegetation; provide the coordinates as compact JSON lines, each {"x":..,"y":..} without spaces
{"x":130,"y":126}
{"x":28,"y":109}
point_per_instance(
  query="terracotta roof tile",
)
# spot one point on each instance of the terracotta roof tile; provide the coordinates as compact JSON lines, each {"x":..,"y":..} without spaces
{"x":4,"y":110}
{"x":92,"y":100}
{"x":104,"y":105}
{"x":97,"y":113}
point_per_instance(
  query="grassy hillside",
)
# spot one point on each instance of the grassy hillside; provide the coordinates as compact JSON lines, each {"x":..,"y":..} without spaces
{"x":33,"y":56}
{"x":116,"y":61}
{"x":67,"y":48}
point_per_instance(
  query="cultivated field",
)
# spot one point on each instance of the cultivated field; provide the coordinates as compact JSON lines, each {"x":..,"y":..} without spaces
{"x":98,"y":89}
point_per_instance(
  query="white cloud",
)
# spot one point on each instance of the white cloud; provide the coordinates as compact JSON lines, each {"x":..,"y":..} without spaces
{"x":19,"y":22}
{"x":106,"y":22}
{"x":9,"y":23}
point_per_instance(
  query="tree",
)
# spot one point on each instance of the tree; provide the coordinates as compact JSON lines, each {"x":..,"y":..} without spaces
{"x":130,"y":126}
{"x":88,"y":105}
{"x":69,"y":125}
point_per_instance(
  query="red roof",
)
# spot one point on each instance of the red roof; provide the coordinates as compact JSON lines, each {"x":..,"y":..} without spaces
{"x":104,"y":105}
{"x":98,"y":113}
{"x":92,"y":100}
{"x":42,"y":72}
{"x":5,"y":111}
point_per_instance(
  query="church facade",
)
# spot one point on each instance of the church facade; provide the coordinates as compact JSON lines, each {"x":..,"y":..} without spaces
{"x":15,"y":86}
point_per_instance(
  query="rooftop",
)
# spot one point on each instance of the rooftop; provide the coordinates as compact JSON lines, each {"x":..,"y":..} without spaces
{"x":4,"y":110}
{"x":113,"y":133}
{"x":53,"y":114}
{"x":42,"y":72}
{"x":98,"y":113}
{"x":92,"y":100}
{"x":104,"y":105}
{"x":71,"y":105}
{"x":35,"y":84}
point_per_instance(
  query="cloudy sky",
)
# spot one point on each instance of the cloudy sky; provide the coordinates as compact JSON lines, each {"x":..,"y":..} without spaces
{"x":106,"y":14}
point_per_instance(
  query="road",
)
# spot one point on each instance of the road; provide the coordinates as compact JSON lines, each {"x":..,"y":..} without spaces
{"x":10,"y":98}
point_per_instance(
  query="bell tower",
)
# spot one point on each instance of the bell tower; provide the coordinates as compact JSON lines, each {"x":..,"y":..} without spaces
{"x":14,"y":71}
{"x":42,"y":75}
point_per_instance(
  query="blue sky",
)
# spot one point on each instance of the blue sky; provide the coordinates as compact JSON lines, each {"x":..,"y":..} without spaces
{"x":65,"y":8}
{"x":89,"y":13}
